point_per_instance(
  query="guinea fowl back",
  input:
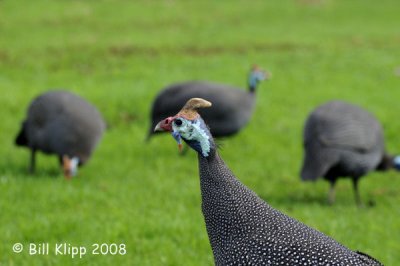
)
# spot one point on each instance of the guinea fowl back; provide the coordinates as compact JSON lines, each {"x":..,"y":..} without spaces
{"x":339,"y":133}
{"x":59,"y":122}
{"x":340,"y":125}
{"x":231,"y":112}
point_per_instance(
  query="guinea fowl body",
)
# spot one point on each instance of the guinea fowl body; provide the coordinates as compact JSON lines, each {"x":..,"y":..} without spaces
{"x":61,"y":123}
{"x":234,"y":110}
{"x":342,"y":140}
{"x":242,"y":228}
{"x":232,"y":107}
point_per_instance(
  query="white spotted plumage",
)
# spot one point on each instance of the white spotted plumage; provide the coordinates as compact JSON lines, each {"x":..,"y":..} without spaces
{"x":243,"y":229}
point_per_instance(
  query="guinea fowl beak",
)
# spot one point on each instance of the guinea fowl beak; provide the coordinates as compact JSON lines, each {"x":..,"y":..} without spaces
{"x":158,"y":127}
{"x":164,"y":125}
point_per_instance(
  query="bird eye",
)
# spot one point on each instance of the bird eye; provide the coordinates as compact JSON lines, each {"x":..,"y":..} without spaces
{"x":178,"y":122}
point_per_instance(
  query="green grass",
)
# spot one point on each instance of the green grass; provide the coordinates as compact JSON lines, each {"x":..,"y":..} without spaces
{"x":119,"y":54}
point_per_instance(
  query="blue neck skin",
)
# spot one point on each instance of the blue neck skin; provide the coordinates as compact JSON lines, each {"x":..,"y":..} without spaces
{"x":199,"y":138}
{"x":255,"y":78}
{"x":396,"y":162}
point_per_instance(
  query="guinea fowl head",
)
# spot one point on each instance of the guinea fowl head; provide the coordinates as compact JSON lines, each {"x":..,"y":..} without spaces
{"x":389,"y":162}
{"x":396,"y":162}
{"x":189,"y":126}
{"x":256,"y":75}
{"x":70,"y":166}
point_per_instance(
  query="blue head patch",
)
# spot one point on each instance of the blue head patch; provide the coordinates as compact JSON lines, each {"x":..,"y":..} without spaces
{"x":396,"y":162}
{"x":255,"y":77}
{"x":195,"y":133}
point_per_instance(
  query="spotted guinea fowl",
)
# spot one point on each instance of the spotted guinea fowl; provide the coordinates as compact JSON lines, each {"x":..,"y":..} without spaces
{"x":232,"y":110}
{"x":343,"y":140}
{"x":61,"y":123}
{"x":242,"y":228}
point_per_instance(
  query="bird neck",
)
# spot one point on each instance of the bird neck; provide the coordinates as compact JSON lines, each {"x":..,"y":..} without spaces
{"x":215,"y":174}
{"x":389,"y":162}
{"x":253,"y":83}
{"x":223,"y":196}
{"x":217,"y":179}
{"x":252,"y":88}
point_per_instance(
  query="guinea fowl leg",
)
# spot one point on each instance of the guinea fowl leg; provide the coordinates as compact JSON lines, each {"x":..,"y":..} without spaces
{"x":331,"y":195}
{"x":32,"y":162}
{"x":357,"y":192}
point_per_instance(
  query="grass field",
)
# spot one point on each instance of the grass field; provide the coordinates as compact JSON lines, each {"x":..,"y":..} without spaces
{"x":119,"y":54}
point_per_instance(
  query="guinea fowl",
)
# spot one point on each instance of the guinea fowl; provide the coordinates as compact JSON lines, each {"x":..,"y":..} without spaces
{"x":61,"y":123}
{"x":233,"y":106}
{"x":343,"y":140}
{"x":242,"y":228}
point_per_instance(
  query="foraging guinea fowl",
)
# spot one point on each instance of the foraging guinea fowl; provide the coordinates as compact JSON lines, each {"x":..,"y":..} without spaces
{"x":343,"y":140}
{"x":242,"y":228}
{"x":232,"y":110}
{"x":61,"y":123}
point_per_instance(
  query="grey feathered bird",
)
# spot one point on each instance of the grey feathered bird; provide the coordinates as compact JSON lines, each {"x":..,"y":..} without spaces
{"x":61,"y":123}
{"x":343,"y":140}
{"x":231,"y":112}
{"x":242,"y":228}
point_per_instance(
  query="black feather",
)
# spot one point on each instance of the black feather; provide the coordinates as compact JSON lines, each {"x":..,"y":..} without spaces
{"x":342,"y":140}
{"x":231,"y":110}
{"x":61,"y":123}
{"x":21,"y":139}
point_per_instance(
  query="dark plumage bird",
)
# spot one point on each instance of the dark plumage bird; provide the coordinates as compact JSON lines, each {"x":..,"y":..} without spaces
{"x":232,"y":110}
{"x":343,"y":140}
{"x":242,"y":228}
{"x":61,"y":123}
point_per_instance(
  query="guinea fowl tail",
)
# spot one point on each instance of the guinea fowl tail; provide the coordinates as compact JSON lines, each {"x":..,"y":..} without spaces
{"x":21,"y":139}
{"x":312,"y":169}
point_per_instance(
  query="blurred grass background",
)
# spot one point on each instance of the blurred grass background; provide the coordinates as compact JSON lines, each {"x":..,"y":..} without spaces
{"x":119,"y":54}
